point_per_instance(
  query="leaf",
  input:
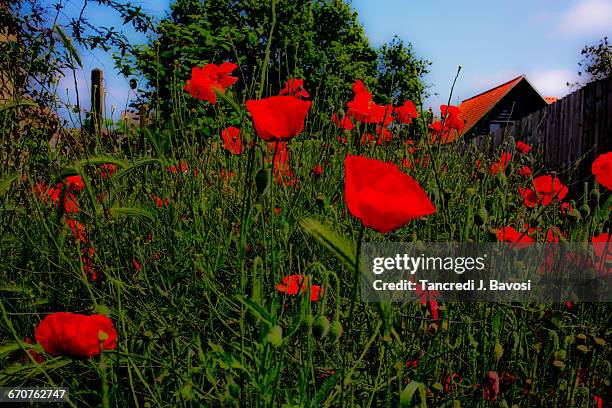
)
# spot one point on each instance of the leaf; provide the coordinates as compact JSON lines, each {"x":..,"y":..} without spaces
{"x":68,"y":44}
{"x":408,"y":393}
{"x":329,"y":239}
{"x":6,"y":182}
{"x":128,"y":170}
{"x":324,"y":391}
{"x":6,"y":349}
{"x":131,"y":212}
{"x":259,"y":311}
{"x":101,"y":160}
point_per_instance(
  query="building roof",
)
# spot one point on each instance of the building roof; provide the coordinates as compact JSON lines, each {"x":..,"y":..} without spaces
{"x":474,"y":108}
{"x":551,"y":99}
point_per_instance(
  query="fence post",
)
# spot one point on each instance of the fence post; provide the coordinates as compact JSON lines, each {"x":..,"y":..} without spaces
{"x":143,"y":116}
{"x":96,"y":101}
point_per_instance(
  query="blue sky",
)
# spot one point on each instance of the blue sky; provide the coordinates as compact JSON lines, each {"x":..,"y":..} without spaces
{"x":493,"y":41}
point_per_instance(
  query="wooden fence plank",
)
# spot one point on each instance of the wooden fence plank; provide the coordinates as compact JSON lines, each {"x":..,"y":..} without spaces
{"x":571,"y":132}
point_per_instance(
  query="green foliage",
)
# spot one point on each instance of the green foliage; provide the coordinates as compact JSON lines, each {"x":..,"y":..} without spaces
{"x":597,"y":61}
{"x":321,"y":41}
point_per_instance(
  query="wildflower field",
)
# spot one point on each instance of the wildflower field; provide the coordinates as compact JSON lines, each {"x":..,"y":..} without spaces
{"x":211,"y":258}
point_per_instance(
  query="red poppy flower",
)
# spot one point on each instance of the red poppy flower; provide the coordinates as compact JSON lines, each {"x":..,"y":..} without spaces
{"x":546,"y":189}
{"x":509,"y":234}
{"x":46,"y":193}
{"x":210,"y":78}
{"x":523,"y":147}
{"x":451,"y":381}
{"x":602,"y":247}
{"x":364,"y":110}
{"x":407,"y":164}
{"x":231,"y":140}
{"x":525,"y":171}
{"x":136,"y":264}
{"x":107,"y":170}
{"x":381,"y":195}
{"x":182,"y":166}
{"x":451,"y":126}
{"x":295,"y":87}
{"x":345,"y":123}
{"x":449,"y":110}
{"x":491,"y":386}
{"x":278,"y":117}
{"x":159,"y":202}
{"x":566,"y":208}
{"x":406,"y":113}
{"x":294,"y":284}
{"x":71,"y":205}
{"x":602,"y":170}
{"x":78,"y":229}
{"x":317,"y":170}
{"x":500,"y":165}
{"x":554,"y":235}
{"x":75,"y":183}
{"x":76,"y":335}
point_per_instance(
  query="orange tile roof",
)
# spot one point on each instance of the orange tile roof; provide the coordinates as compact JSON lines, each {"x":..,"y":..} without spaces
{"x":473,"y":109}
{"x":551,"y":99}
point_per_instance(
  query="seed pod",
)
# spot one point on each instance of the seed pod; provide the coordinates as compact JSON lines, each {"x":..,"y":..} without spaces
{"x":558,"y":364}
{"x":585,"y":209}
{"x":498,"y":351}
{"x":340,"y":115}
{"x":320,"y":327}
{"x":233,"y":389}
{"x":481,"y":217}
{"x":262,"y":180}
{"x":335,"y":331}
{"x":275,"y":336}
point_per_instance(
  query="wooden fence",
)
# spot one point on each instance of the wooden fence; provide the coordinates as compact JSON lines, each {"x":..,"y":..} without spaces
{"x":571,"y":132}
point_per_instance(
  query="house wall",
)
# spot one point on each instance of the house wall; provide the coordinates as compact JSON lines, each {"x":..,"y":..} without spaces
{"x":521,"y":101}
{"x":6,"y":86}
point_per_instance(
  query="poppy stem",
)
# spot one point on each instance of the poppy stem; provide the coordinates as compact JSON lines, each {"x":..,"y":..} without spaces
{"x":356,"y":275}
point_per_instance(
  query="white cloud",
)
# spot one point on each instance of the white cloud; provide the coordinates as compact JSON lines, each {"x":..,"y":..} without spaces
{"x":552,"y":82}
{"x":588,"y":17}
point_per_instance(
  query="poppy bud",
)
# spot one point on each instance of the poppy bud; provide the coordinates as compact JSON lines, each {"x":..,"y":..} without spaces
{"x":275,"y":336}
{"x":558,"y":364}
{"x":585,"y":209}
{"x":320,"y":327}
{"x":437,"y":387}
{"x":576,"y":214}
{"x":233,"y":389}
{"x":262,"y":181}
{"x":133,"y":83}
{"x":595,"y":194}
{"x":498,"y":351}
{"x":336,"y":330}
{"x":481,"y":217}
{"x":340,"y":115}
{"x":560,"y":355}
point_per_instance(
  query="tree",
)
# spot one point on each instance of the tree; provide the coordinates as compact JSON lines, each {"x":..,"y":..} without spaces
{"x":318,"y":40}
{"x":597,"y":61}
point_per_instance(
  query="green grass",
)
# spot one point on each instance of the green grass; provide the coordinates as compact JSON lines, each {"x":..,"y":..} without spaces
{"x":194,"y":321}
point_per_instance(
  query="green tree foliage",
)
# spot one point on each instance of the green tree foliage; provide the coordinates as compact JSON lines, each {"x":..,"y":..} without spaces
{"x":321,"y":41}
{"x":597,"y":61}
